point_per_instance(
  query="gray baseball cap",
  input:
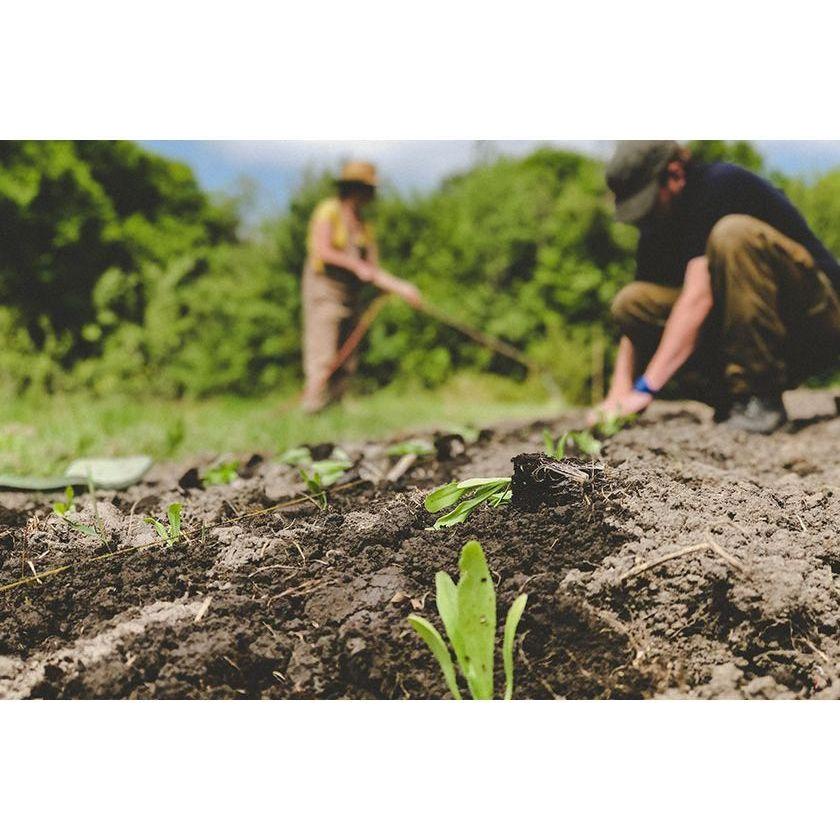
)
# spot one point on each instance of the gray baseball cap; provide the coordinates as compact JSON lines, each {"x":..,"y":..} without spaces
{"x":633,"y":175}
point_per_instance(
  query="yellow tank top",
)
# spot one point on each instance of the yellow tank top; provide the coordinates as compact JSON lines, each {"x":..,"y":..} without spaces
{"x":330,"y":209}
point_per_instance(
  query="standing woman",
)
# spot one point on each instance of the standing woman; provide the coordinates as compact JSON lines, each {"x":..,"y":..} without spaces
{"x":342,"y":255}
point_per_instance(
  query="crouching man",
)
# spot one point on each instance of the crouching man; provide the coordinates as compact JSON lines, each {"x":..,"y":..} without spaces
{"x":733,"y":289}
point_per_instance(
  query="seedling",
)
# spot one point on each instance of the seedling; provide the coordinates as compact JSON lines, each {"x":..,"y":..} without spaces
{"x":323,"y":474}
{"x":468,"y":612}
{"x":583,"y":441}
{"x":473,"y":491}
{"x":296,"y":456}
{"x":171,"y":532}
{"x":65,"y":508}
{"x":611,"y":424}
{"x":420,"y":448}
{"x":223,"y":473}
{"x":68,"y":506}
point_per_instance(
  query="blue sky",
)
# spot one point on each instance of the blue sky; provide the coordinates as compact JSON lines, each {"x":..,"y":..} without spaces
{"x":277,"y":167}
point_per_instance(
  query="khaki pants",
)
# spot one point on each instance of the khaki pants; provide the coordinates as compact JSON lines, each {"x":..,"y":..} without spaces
{"x":775,"y":319}
{"x":330,"y":310}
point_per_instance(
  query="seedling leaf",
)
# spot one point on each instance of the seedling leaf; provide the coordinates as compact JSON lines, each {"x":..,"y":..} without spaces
{"x":223,"y":473}
{"x":463,"y":510}
{"x":443,"y":497}
{"x":68,"y":506}
{"x":174,"y":516}
{"x":586,"y":443}
{"x":476,"y":620}
{"x":420,"y":448}
{"x":511,"y":623}
{"x":432,"y":638}
{"x":446,"y":596}
{"x":296,"y":456}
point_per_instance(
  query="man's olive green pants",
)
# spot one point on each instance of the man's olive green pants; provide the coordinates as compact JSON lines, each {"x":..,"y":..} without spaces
{"x":775,"y":318}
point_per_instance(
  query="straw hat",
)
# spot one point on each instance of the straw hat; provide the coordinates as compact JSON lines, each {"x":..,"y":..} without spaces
{"x":358,"y":172}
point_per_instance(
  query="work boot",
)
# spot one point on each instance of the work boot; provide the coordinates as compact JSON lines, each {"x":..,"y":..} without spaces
{"x":757,"y":414}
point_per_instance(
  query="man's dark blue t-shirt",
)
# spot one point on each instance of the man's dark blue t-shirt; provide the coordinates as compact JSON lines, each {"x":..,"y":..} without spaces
{"x":713,"y":191}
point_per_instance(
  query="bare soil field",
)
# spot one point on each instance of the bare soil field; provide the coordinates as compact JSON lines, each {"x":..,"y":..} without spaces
{"x":707,"y":564}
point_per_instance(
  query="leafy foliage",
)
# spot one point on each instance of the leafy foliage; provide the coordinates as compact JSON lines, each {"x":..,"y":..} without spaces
{"x":468,"y":612}
{"x":119,"y":274}
{"x":473,"y":491}
{"x":223,"y":473}
{"x":170,"y":532}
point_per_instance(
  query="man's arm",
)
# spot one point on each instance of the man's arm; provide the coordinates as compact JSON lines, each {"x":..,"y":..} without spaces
{"x":682,"y":329}
{"x":679,"y":339}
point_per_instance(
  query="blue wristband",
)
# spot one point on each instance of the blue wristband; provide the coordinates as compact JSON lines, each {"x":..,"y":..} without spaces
{"x":643,"y":387}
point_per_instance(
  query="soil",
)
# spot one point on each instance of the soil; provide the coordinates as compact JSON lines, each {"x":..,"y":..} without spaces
{"x":299,"y":602}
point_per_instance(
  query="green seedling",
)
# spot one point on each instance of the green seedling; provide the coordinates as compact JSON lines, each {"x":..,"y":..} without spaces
{"x":296,"y":456}
{"x":324,"y":474}
{"x":611,"y":424}
{"x":67,"y":506}
{"x":420,"y":448}
{"x":223,"y":473}
{"x":468,"y":434}
{"x":468,"y":612}
{"x":466,"y":496}
{"x":170,"y":533}
{"x":583,"y":441}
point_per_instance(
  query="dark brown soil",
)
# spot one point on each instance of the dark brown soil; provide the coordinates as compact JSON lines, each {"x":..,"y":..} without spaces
{"x":304,"y":603}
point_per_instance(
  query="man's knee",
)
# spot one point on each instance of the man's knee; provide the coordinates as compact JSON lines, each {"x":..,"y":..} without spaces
{"x":732,"y":233}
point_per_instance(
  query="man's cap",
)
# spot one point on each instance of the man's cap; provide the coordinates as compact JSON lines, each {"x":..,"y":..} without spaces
{"x":358,"y":172}
{"x":633,"y":175}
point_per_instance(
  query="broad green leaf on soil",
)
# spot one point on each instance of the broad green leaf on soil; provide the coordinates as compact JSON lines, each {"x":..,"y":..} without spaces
{"x":446,"y":595}
{"x":511,"y":623}
{"x":477,"y":620}
{"x":433,"y":639}
{"x":469,"y":483}
{"x":87,"y":530}
{"x":296,"y":456}
{"x":330,"y":471}
{"x":410,"y":447}
{"x":443,"y":497}
{"x":463,"y":510}
{"x":174,"y":516}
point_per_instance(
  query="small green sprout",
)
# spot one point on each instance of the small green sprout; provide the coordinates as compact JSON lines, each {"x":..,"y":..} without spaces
{"x":583,"y":441}
{"x":420,"y":448}
{"x":610,"y":424}
{"x":170,"y":533}
{"x":68,"y":506}
{"x":223,"y":473}
{"x":468,"y":612}
{"x":324,"y":474}
{"x":474,"y":491}
{"x":65,"y":508}
{"x":296,"y":456}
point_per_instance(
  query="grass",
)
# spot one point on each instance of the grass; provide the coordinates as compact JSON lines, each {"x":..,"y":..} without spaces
{"x":40,"y":433}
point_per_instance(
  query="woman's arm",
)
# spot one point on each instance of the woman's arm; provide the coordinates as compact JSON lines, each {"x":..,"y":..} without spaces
{"x":327,"y":254}
{"x":366,"y":270}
